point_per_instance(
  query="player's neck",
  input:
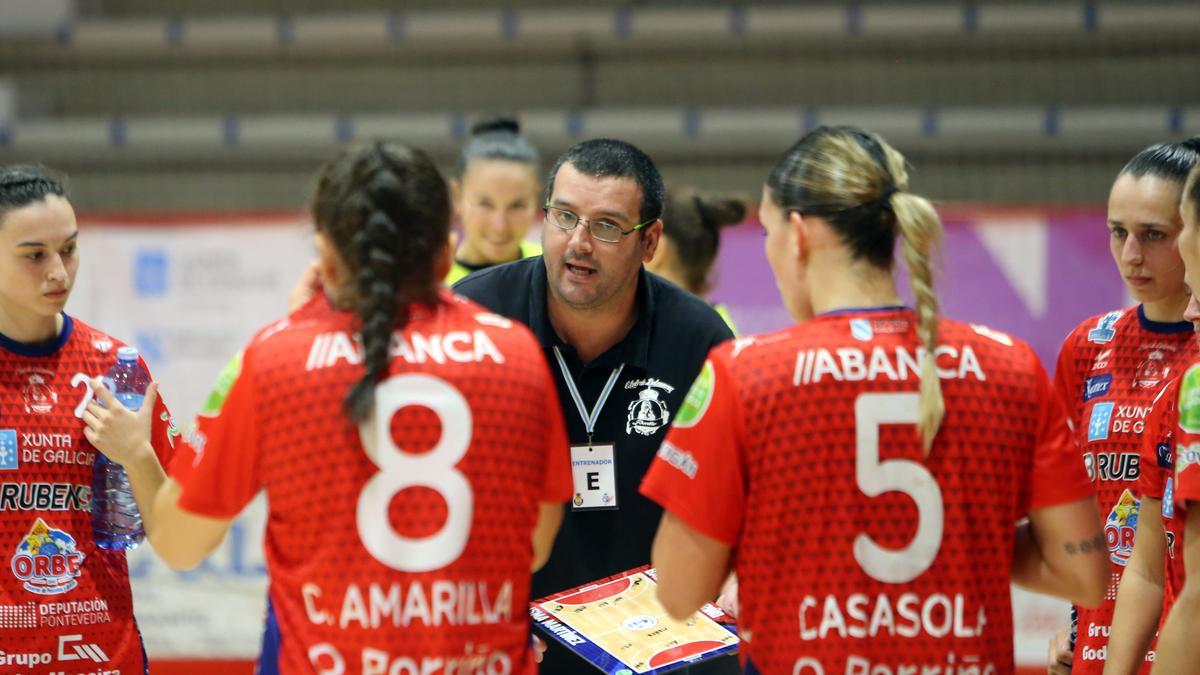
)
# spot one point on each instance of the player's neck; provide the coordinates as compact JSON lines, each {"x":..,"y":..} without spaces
{"x":1167,"y":310}
{"x":860,"y":285}
{"x":29,"y":329}
{"x":594,"y":330}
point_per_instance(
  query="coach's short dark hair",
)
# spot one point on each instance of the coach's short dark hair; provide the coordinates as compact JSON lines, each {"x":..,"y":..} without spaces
{"x":610,"y":158}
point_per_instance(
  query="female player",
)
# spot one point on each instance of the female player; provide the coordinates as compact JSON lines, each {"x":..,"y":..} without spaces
{"x":692,"y":225}
{"x":1179,"y":644}
{"x":495,"y":197}
{"x":62,"y":595}
{"x":863,"y":469}
{"x":1110,"y":369}
{"x":410,"y":445}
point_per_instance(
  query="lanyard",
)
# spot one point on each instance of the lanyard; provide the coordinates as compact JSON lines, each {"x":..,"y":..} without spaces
{"x":589,"y":419}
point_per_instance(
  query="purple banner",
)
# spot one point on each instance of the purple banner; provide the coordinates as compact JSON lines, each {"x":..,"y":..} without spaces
{"x":1030,"y":272}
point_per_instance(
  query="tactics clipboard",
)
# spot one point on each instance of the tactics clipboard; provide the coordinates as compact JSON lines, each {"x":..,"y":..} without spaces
{"x":618,"y":625}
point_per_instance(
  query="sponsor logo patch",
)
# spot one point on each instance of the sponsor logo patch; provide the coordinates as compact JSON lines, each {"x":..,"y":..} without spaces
{"x":1120,"y":527}
{"x":1098,"y":425}
{"x":698,"y":398}
{"x":1104,"y":331}
{"x":1095,"y":387}
{"x":46,"y":560}
{"x":861,"y":330}
{"x":9,"y":459}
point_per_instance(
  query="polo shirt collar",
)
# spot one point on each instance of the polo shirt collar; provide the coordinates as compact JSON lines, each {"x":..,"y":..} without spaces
{"x":633,"y":350}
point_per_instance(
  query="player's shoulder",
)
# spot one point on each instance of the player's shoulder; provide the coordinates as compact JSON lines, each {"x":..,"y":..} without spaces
{"x":1097,"y":331}
{"x":86,"y":337}
{"x":463,"y":313}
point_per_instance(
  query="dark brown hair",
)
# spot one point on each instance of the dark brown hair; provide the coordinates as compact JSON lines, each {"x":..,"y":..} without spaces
{"x":693,"y":221}
{"x":386,"y":210}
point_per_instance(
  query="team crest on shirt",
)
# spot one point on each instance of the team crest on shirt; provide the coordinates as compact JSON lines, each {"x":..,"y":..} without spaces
{"x":1120,"y":527}
{"x":46,"y":560}
{"x":861,"y":330}
{"x":1152,"y":370}
{"x":40,"y":397}
{"x":648,"y":413}
{"x":1104,"y":331}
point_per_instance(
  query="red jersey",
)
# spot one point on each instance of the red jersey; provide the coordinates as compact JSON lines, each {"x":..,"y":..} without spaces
{"x":1157,"y":481}
{"x":402,"y":545}
{"x":65,"y":604}
{"x":1109,"y":371}
{"x":1187,"y":444}
{"x":853,"y":549}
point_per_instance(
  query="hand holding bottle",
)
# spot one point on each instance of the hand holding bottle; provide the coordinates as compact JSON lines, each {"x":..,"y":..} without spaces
{"x":122,"y":435}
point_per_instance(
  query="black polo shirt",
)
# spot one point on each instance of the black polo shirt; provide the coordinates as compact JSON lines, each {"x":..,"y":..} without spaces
{"x":662,"y":353}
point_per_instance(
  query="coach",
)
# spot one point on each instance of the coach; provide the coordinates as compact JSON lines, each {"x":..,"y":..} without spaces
{"x":624,"y":345}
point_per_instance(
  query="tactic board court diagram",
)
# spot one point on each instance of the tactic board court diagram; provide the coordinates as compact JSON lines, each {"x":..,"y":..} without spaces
{"x":618,"y":625}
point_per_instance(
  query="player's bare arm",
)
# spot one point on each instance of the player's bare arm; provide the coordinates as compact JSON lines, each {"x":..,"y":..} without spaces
{"x":1061,"y":551}
{"x":183,"y":538}
{"x":1179,"y":643}
{"x":550,"y":516}
{"x":1139,"y":598}
{"x":124,"y":437}
{"x":691,"y":566}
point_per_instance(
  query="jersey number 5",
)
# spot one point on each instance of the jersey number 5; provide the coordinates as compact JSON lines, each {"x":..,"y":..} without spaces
{"x":895,"y":475}
{"x":400,"y":470}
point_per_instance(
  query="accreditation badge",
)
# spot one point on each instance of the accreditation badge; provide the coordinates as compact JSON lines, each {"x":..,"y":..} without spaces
{"x":594,"y":471}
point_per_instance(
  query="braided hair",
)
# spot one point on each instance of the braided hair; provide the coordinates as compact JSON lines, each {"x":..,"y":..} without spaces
{"x":858,"y":184}
{"x":386,"y":210}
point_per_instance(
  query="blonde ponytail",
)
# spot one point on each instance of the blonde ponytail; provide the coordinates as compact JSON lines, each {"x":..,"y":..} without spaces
{"x":920,"y":231}
{"x":858,"y":184}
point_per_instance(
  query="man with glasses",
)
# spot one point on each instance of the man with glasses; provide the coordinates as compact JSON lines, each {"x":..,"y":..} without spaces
{"x":624,"y":344}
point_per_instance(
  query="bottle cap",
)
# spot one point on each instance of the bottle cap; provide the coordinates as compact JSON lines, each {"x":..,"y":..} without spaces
{"x":127,"y":354}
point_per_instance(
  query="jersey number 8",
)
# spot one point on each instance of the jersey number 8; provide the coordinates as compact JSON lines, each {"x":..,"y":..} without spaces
{"x":400,"y":470}
{"x":895,"y":475}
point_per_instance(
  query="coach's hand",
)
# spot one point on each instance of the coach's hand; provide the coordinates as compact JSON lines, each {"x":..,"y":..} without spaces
{"x":539,"y":648}
{"x":728,"y":600}
{"x":1060,"y":656}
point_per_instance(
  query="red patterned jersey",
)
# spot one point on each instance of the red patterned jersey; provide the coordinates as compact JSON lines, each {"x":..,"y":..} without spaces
{"x":65,"y":604}
{"x":856,"y":552}
{"x":1109,"y":371}
{"x":402,"y":545}
{"x":1157,"y":481}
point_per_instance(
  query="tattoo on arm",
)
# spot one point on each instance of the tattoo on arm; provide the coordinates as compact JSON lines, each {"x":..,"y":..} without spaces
{"x":1096,"y":544}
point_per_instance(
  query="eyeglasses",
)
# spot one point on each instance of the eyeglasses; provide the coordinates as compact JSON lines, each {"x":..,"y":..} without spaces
{"x":602,"y":230}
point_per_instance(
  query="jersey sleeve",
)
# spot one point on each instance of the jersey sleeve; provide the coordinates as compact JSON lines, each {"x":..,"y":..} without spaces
{"x":1154,"y":453}
{"x":217,"y":467}
{"x":1187,"y":438}
{"x":698,"y":473}
{"x":163,"y":431}
{"x":1067,"y":387}
{"x":556,"y":479}
{"x":1058,"y":473}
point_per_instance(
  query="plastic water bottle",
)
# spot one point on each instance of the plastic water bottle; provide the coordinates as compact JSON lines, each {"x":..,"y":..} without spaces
{"x":116,"y":521}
